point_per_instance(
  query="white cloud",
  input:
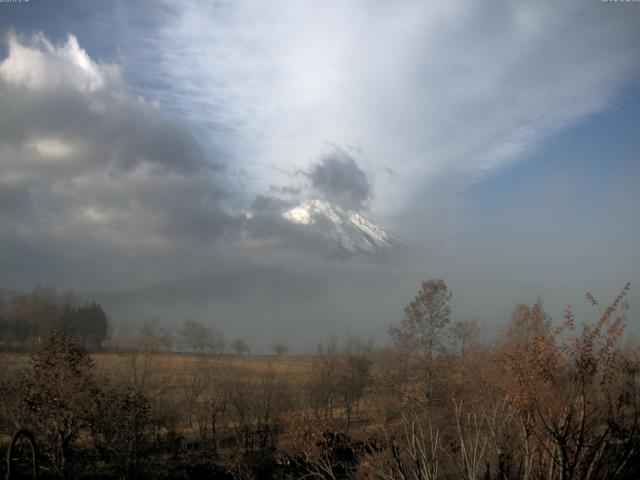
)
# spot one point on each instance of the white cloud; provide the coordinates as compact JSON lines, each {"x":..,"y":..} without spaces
{"x":430,"y":89}
{"x":40,"y":65}
{"x":53,"y":148}
{"x":96,"y":215}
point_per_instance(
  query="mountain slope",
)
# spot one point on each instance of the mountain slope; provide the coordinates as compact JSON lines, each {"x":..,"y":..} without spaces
{"x":348,"y":228}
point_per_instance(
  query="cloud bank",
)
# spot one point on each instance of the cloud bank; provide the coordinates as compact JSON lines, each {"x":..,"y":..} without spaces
{"x":434,"y":91}
{"x":169,"y":165}
{"x":102,"y":189}
{"x":90,"y":167}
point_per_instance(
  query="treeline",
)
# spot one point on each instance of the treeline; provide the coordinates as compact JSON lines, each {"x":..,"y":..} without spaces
{"x":26,"y":318}
{"x":191,"y":336}
{"x":545,"y":400}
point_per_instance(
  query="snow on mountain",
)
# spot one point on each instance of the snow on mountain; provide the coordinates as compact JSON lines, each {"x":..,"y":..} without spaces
{"x":348,"y":228}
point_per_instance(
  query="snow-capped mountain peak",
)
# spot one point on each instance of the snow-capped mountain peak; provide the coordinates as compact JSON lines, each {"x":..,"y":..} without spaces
{"x":348,"y":228}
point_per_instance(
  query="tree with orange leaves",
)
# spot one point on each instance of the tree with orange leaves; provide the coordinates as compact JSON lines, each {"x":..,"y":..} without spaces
{"x":575,"y":396}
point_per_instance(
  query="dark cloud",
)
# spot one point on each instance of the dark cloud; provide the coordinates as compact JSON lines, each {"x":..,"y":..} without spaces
{"x":82,"y":156}
{"x":98,"y":188}
{"x":270,"y":204}
{"x":339,"y":178}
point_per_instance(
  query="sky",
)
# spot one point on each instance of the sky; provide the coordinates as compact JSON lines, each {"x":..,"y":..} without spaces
{"x":148,"y":150}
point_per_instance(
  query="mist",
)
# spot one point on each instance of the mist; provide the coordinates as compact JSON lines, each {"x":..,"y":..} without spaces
{"x":498,"y":146}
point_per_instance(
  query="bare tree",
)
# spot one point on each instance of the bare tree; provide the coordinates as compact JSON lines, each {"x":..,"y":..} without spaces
{"x":242,"y":402}
{"x":197,"y":337}
{"x":152,"y":337}
{"x":273,"y":402}
{"x":420,"y":332}
{"x":216,"y":342}
{"x":464,"y":333}
{"x":120,"y":430}
{"x":354,"y":375}
{"x":212,"y":410}
{"x":322,"y":386}
{"x":240,"y":346}
{"x":413,"y":453}
{"x":193,"y":385}
{"x":192,"y":335}
{"x":280,"y":348}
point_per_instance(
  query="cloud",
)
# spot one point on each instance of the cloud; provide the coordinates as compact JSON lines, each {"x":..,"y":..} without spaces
{"x":51,"y":148}
{"x":90,"y":167}
{"x":40,"y":65}
{"x":434,"y":90}
{"x":101,"y":189}
{"x":340,"y":180}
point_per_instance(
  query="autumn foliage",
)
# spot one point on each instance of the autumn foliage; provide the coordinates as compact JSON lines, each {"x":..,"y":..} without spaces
{"x":574,"y":395}
{"x":540,"y":400}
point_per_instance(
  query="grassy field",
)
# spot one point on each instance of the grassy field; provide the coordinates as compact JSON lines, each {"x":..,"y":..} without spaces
{"x":174,"y":365}
{"x":171,"y":380}
{"x":283,"y":364}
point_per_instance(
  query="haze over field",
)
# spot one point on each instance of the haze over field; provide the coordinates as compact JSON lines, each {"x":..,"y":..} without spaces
{"x":149,"y":152}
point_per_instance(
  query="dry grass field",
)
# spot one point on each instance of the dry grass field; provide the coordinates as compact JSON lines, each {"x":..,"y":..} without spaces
{"x":535,"y":404}
{"x":174,"y":372}
{"x":175,"y":363}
